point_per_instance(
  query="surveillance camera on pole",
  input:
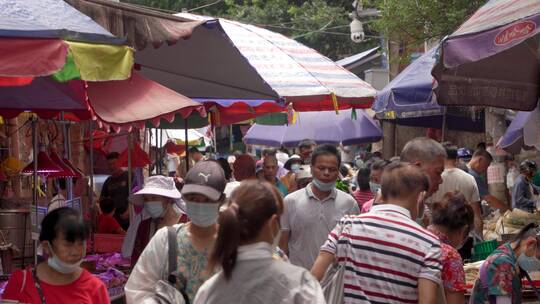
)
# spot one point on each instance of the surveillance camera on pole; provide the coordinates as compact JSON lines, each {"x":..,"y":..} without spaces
{"x":357,"y":31}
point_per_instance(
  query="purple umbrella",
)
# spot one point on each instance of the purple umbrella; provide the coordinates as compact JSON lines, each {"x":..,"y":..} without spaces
{"x":522,"y":132}
{"x":323,"y":127}
{"x":492,"y":59}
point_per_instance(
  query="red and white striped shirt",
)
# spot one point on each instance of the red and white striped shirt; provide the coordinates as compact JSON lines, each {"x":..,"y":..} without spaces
{"x":384,"y":252}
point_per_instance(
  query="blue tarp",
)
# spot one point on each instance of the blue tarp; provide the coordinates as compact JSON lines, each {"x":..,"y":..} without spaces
{"x":50,"y":19}
{"x":409,"y":100}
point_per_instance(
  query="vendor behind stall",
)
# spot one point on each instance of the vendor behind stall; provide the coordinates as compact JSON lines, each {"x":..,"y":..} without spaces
{"x":162,"y":207}
{"x":524,"y":190}
{"x":500,"y":275}
{"x":116,"y":188}
{"x":60,"y":279}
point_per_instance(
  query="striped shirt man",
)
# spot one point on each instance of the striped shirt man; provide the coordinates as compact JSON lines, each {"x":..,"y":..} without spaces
{"x":384,"y":252}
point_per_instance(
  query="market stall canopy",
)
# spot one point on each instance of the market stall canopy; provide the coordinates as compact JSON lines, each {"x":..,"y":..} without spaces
{"x":493,"y":59}
{"x":522,"y":132}
{"x":135,"y":101}
{"x":409,"y":100}
{"x":41,"y":38}
{"x":323,"y":127}
{"x":258,"y":65}
{"x":139,"y":158}
{"x":44,"y":97}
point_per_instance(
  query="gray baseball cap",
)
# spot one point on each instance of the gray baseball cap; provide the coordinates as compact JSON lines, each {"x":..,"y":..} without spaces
{"x":205,"y":178}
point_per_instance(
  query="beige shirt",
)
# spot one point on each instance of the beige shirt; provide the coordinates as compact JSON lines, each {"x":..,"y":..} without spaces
{"x":457,"y":179}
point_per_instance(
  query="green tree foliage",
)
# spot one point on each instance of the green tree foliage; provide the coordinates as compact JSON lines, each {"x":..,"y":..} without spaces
{"x":417,"y":21}
{"x":320,"y":24}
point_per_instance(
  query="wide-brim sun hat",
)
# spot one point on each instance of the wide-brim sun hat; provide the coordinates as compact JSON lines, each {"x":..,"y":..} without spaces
{"x":156,"y":185}
{"x":293,"y":159}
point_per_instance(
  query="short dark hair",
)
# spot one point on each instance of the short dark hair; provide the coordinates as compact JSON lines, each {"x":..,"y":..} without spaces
{"x":400,"y":179}
{"x":106,"y":205}
{"x":451,"y":150}
{"x":306,"y":143}
{"x":325,"y":149}
{"x":452,"y":212}
{"x":268,"y":151}
{"x":66,"y":221}
{"x":112,"y":155}
{"x":226,"y":167}
{"x":483,"y":153}
{"x":362,"y":178}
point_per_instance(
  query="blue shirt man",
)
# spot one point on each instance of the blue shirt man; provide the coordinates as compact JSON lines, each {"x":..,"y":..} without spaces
{"x":523,"y":191}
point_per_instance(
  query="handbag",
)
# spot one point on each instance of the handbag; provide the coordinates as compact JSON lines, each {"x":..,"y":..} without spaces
{"x":332,"y":284}
{"x":165,"y":291}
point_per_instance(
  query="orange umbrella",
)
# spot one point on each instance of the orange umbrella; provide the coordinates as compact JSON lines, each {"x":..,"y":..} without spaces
{"x":139,"y":158}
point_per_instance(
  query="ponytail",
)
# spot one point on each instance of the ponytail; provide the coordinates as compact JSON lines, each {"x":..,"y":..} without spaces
{"x":228,"y":240}
{"x":253,"y":203}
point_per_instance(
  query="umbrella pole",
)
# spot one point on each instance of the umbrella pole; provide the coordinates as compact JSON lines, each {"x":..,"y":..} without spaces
{"x":91,"y":192}
{"x":186,"y":142}
{"x":231,"y":140}
{"x":35,"y":190}
{"x":160,"y":147}
{"x":129,"y":162}
{"x":444,"y":126}
{"x":67,"y":153}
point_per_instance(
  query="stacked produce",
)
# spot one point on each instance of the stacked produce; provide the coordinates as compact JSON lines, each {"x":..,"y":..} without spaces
{"x":510,"y":223}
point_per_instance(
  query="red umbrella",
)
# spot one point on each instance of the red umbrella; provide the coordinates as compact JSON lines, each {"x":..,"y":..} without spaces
{"x":139,"y":158}
{"x":44,"y":166}
{"x":66,"y":170}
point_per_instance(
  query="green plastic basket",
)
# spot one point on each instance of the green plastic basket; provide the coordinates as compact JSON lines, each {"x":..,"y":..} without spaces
{"x":483,"y":250}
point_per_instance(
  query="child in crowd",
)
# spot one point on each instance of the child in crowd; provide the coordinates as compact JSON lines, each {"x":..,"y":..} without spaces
{"x":106,"y":221}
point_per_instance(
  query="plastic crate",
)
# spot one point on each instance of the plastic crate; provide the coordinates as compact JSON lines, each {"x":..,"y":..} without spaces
{"x":482,"y":250}
{"x":108,"y":242}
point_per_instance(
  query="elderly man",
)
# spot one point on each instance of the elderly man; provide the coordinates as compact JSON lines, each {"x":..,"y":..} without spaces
{"x":429,"y":155}
{"x":305,"y":149}
{"x":524,"y":191}
{"x":270,"y":167}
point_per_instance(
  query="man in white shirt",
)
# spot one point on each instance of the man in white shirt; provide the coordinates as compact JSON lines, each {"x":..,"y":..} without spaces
{"x":310,"y":214}
{"x":455,"y":179}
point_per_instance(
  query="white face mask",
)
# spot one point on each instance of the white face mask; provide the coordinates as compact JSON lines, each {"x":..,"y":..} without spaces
{"x":55,"y":263}
{"x":202,"y":214}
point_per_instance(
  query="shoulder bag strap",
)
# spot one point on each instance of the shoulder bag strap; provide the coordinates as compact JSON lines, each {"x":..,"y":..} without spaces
{"x":38,"y":286}
{"x":171,"y":236}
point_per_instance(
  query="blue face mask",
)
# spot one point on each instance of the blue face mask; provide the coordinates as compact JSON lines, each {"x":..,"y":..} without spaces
{"x":55,"y":263}
{"x":528,"y":263}
{"x":154,"y":208}
{"x":374,"y":187}
{"x":295,"y":168}
{"x":202,"y":214}
{"x":323,"y":186}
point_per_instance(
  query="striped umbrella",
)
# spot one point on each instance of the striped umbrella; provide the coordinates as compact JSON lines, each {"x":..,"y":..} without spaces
{"x":228,"y":60}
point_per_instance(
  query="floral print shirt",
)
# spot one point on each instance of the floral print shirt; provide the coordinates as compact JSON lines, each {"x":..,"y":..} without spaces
{"x":498,"y":277}
{"x":452,"y":275}
{"x":192,"y":264}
